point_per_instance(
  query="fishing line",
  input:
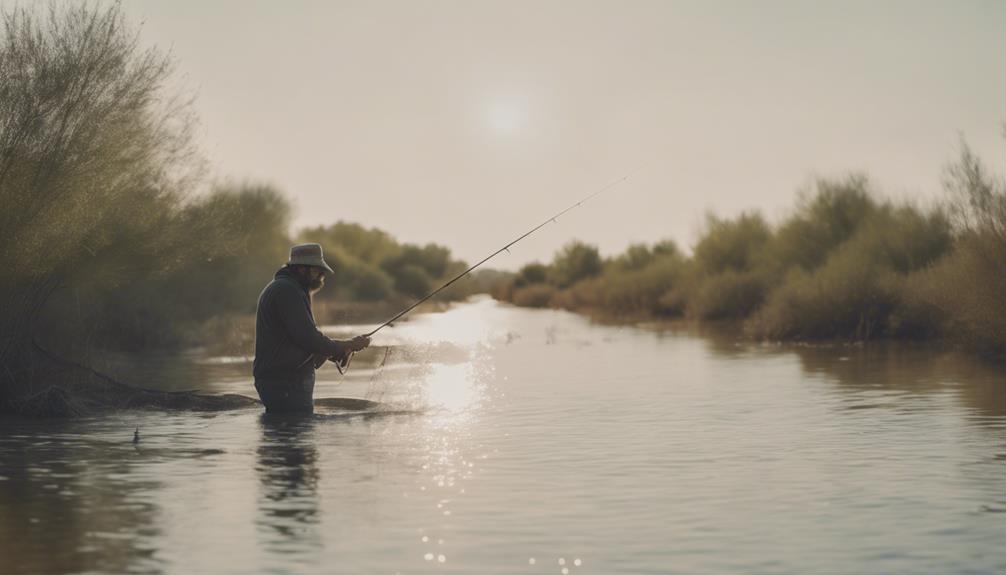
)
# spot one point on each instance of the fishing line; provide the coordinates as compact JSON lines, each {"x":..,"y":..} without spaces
{"x":501,"y":250}
{"x":373,"y":377}
{"x":344,"y":365}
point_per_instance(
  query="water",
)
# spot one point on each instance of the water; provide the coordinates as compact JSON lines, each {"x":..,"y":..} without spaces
{"x":524,"y":441}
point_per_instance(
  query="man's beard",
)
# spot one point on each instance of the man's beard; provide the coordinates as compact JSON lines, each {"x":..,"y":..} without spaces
{"x":315,"y":285}
{"x":312,"y":285}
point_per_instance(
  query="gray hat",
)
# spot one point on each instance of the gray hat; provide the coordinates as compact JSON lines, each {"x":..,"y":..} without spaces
{"x":308,"y":255}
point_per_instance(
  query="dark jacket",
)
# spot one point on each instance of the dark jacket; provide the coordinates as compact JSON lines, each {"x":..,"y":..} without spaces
{"x":286,"y":337}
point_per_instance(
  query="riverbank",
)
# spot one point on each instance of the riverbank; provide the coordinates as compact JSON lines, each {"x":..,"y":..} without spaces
{"x":844,"y":266}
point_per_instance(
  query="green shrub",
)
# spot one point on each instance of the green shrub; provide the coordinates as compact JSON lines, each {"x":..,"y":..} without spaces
{"x":434,"y":260}
{"x":731,"y":245}
{"x":639,"y":290}
{"x":636,"y":257}
{"x":96,"y":162}
{"x":412,"y":280}
{"x":370,"y":265}
{"x":967,"y":287}
{"x":847,"y":298}
{"x":903,"y":239}
{"x":977,"y":199}
{"x":727,"y":295}
{"x":583,"y":295}
{"x":372,"y":284}
{"x":823,"y":221}
{"x":537,"y":295}
{"x":917,"y":315}
{"x":576,"y":261}
{"x":530,"y":274}
{"x":673,"y":302}
{"x":369,"y":245}
{"x":503,"y":289}
{"x":861,"y":289}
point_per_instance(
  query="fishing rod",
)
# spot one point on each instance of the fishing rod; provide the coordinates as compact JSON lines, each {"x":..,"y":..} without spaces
{"x":505,"y":248}
{"x":343,"y":365}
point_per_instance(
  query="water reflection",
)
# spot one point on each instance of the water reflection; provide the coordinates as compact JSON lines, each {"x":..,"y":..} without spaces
{"x":878,"y":366}
{"x":68,"y":505}
{"x":911,"y":369}
{"x":614,"y":449}
{"x":288,"y":473}
{"x":453,"y":388}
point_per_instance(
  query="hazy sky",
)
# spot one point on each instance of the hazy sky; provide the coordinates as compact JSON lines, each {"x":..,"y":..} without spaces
{"x":465,"y":123}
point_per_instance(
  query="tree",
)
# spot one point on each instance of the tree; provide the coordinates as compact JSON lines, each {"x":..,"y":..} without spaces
{"x":823,"y":221}
{"x":532,"y":273}
{"x":412,"y":280}
{"x":731,"y":244}
{"x":574,"y":262}
{"x":95,"y":157}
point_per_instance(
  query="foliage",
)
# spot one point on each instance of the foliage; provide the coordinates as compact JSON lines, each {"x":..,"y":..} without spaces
{"x":843,"y":265}
{"x":576,"y":261}
{"x":638,"y":290}
{"x":636,"y":257}
{"x":968,"y":286}
{"x":370,"y":265}
{"x":530,"y":274}
{"x":412,"y":280}
{"x":842,"y":299}
{"x":537,"y":295}
{"x":731,"y":245}
{"x":108,"y":242}
{"x":861,"y":291}
{"x":371,"y":284}
{"x":95,"y":157}
{"x":731,"y":294}
{"x":823,"y":221}
{"x":977,"y":199}
{"x":365,"y":244}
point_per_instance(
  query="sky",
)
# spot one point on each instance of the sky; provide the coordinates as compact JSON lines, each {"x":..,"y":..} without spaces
{"x":466,"y":123}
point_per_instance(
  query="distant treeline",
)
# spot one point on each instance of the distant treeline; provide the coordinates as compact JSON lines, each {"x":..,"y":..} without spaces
{"x":106,"y":243}
{"x":245,"y":236}
{"x":844,"y":265}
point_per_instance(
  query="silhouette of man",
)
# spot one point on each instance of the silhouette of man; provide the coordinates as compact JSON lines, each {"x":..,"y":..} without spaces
{"x":288,"y":344}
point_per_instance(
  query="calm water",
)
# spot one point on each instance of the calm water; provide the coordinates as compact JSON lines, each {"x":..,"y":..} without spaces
{"x":522,"y":441}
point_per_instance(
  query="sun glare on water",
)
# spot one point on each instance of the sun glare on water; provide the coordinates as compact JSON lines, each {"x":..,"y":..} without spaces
{"x":452,"y":387}
{"x":465,"y":327}
{"x":453,"y":380}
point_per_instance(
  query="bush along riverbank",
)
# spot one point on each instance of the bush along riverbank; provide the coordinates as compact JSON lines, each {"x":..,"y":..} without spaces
{"x":113,"y":240}
{"x":844,"y":265}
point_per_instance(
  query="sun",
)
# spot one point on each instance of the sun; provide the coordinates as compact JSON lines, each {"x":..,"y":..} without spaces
{"x":506,"y":116}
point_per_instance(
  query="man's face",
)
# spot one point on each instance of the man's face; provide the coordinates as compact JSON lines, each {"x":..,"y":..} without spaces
{"x":314,"y":277}
{"x":317,"y":279}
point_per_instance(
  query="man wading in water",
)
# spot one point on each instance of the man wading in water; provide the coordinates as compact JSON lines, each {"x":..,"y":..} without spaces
{"x":287,"y":341}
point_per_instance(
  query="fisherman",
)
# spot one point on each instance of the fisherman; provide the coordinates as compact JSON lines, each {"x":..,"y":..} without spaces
{"x":288,"y":344}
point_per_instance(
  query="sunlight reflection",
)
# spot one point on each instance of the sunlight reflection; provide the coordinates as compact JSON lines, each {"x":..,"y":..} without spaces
{"x":462,"y":325}
{"x":465,"y":326}
{"x":452,"y":387}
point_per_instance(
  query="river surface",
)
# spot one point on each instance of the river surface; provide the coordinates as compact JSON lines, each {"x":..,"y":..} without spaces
{"x":529,"y":441}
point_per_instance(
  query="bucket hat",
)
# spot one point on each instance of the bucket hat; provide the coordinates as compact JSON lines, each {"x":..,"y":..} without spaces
{"x":309,"y":255}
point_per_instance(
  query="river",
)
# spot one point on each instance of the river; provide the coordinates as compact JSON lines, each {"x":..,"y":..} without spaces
{"x":533,"y":441}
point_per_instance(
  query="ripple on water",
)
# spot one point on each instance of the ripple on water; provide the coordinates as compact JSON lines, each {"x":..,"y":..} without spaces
{"x":653,"y":450}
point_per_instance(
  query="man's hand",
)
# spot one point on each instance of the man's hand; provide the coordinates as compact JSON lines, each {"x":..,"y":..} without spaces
{"x":359,"y":343}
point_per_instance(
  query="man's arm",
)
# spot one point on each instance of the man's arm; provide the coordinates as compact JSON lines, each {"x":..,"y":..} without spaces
{"x":301,"y":328}
{"x":358,"y":343}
